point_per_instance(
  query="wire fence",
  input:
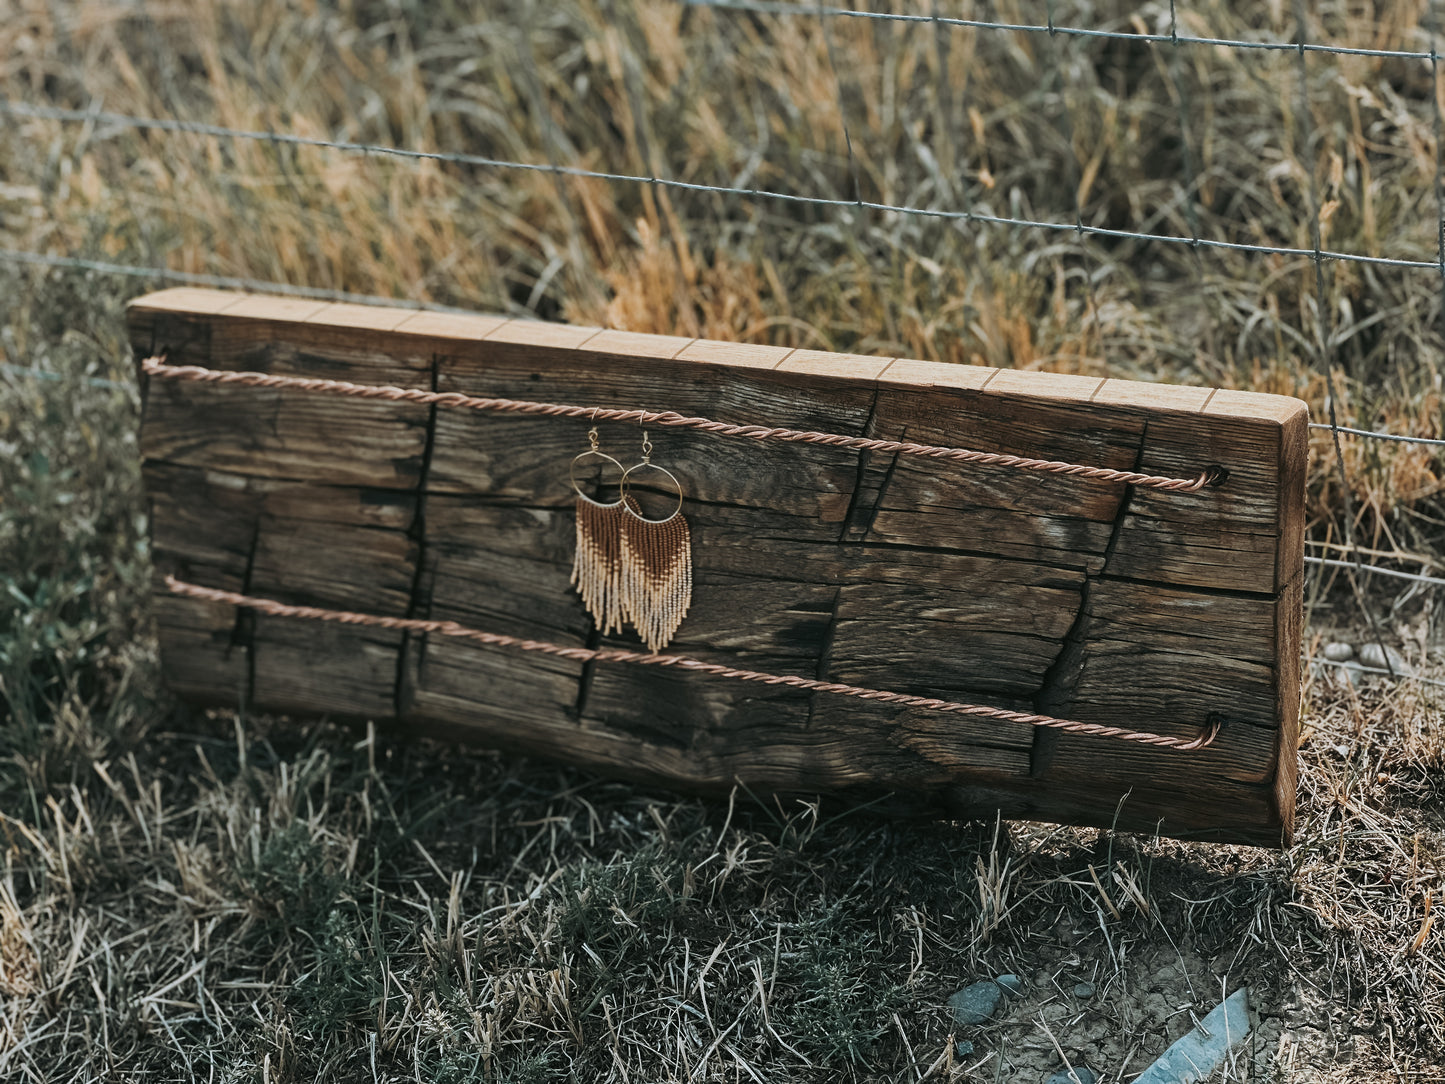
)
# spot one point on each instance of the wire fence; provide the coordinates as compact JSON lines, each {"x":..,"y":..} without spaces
{"x":1052,"y":29}
{"x":1169,"y":33}
{"x":1077,"y":228}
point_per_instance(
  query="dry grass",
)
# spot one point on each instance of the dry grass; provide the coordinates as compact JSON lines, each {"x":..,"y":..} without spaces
{"x":255,"y":899}
{"x":1123,"y":136}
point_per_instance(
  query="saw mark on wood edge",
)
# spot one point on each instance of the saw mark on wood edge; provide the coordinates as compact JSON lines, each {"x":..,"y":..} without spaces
{"x":403,"y":689}
{"x":1061,"y":679}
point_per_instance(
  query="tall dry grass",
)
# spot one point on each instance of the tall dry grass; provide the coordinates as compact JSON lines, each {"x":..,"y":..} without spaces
{"x":1189,"y":141}
{"x":222,"y":897}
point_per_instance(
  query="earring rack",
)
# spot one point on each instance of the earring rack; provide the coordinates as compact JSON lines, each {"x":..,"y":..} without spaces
{"x":1116,"y":556}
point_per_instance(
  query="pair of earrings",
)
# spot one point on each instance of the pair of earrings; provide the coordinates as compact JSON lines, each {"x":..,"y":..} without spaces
{"x":628,"y":567}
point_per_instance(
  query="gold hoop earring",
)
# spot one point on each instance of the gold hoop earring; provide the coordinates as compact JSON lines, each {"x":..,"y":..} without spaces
{"x":597,"y":565}
{"x":656,"y":561}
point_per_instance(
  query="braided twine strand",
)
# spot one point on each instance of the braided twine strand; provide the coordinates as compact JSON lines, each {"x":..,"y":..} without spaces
{"x":681,"y":662}
{"x":157,"y":367}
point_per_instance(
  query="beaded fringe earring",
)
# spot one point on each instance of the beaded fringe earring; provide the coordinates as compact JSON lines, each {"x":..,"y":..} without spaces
{"x":656,"y":555}
{"x":597,"y":566}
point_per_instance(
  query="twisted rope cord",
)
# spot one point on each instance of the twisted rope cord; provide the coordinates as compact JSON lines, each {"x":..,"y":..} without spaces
{"x":157,"y":367}
{"x":680,"y":662}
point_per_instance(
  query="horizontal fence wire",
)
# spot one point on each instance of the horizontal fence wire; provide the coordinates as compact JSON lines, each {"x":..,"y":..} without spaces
{"x":1079,"y":229}
{"x":763,"y":7}
{"x":30,"y":372}
{"x":1376,"y":570}
{"x":1375,"y":435}
{"x":1373,"y":671}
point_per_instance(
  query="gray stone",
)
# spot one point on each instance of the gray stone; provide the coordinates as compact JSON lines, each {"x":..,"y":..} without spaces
{"x":975,"y":1003}
{"x":1352,"y":674}
{"x":1339,"y":651}
{"x":1372,"y":655}
{"x":963,"y":1048}
{"x":1082,"y":1075}
{"x":1011,"y":985}
{"x":1084,"y":989}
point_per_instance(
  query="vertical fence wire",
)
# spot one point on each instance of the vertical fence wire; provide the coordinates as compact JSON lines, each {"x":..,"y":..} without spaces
{"x":1323,"y":322}
{"x":1192,"y":179}
{"x":1432,"y":22}
{"x":1076,"y":180}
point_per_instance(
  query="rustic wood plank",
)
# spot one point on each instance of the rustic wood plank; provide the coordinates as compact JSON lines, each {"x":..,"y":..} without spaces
{"x":358,"y":317}
{"x":206,"y":660}
{"x":1095,"y":601}
{"x":849,"y":367}
{"x":450,"y":326}
{"x":1139,"y":395}
{"x":281,"y":435}
{"x":517,"y":458}
{"x":314,"y":544}
{"x":735,"y":355}
{"x":1289,"y":631}
{"x":1066,"y":387}
{"x":913,"y":373}
{"x":634,"y":345}
{"x":536,"y":336}
{"x":187,"y":299}
{"x":275,"y":309}
{"x":310,"y":668}
{"x":526,"y":703}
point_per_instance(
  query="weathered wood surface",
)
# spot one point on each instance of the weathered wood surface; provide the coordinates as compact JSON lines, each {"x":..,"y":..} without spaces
{"x":1092,"y":601}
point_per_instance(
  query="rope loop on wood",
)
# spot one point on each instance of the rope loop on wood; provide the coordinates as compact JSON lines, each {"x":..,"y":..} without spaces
{"x":274,"y":608}
{"x":157,"y":366}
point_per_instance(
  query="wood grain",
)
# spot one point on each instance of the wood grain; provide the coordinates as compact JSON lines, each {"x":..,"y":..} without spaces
{"x":1097,"y":601}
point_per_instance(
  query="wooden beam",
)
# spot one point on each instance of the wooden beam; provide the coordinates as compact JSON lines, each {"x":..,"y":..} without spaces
{"x":1096,"y":601}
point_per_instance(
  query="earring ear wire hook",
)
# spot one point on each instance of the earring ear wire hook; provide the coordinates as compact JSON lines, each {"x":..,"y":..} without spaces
{"x":648,"y":463}
{"x":646,"y":440}
{"x":593,"y":450}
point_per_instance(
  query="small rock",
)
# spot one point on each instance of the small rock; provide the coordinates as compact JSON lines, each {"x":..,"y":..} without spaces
{"x":1084,"y":989}
{"x":975,"y":1003}
{"x":1339,"y":651}
{"x":1372,"y":655}
{"x":1352,"y":674}
{"x":1011,"y":985}
{"x":1080,"y":1074}
{"x":963,"y":1048}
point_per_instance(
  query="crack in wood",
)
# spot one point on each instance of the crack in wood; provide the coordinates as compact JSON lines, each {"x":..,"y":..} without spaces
{"x":243,"y":634}
{"x":1197,"y":589}
{"x":849,"y":530}
{"x":404,"y":691}
{"x":1061,"y":679}
{"x":825,"y":654}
